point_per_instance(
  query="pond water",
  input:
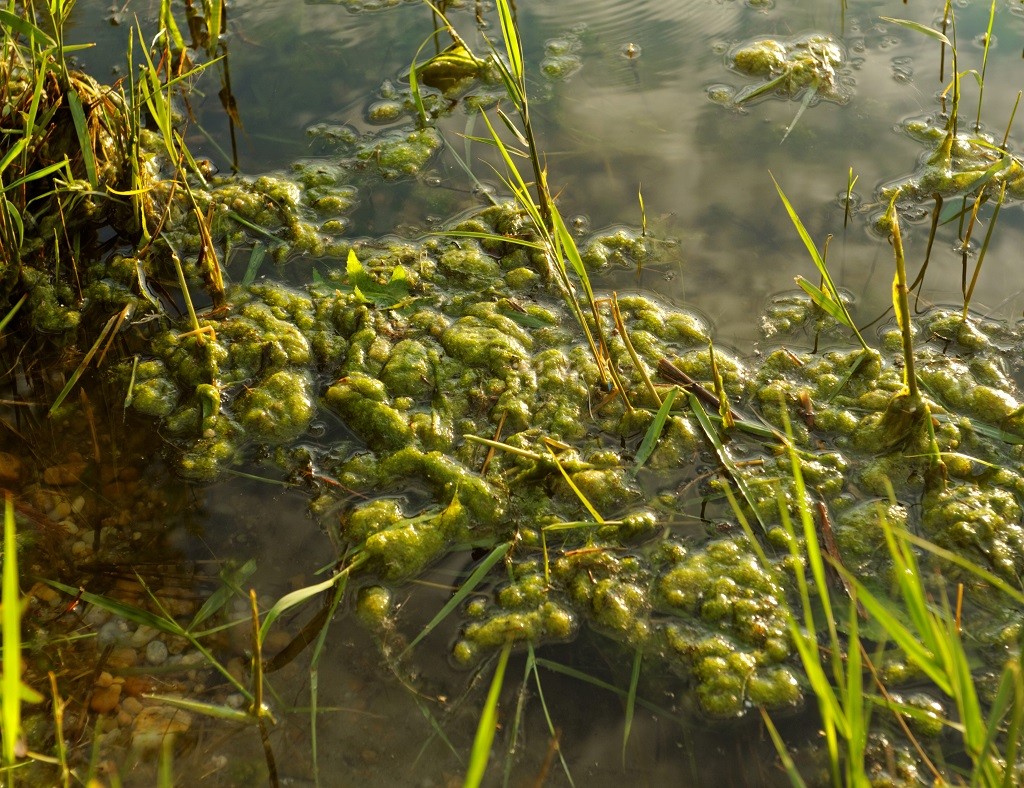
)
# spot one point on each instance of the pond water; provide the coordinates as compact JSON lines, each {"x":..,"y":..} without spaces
{"x":637,"y":114}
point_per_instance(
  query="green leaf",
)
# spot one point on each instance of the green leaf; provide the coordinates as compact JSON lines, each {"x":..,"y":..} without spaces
{"x":488,"y":724}
{"x":819,"y":262}
{"x":21,"y":26}
{"x":209,"y":709}
{"x":513,"y":45}
{"x":464,"y":590}
{"x":823,"y":301}
{"x":634,"y":680}
{"x":232,"y":579}
{"x":657,"y":426}
{"x":10,"y":628}
{"x":289,"y":601}
{"x":370,"y":291}
{"x":918,"y":27}
{"x":82,"y":131}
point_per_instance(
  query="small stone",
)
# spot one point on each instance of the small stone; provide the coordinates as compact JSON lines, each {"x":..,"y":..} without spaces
{"x":123,"y":657}
{"x":64,"y":474}
{"x":131,"y":705}
{"x":235,"y":700}
{"x":61,"y":510}
{"x":137,"y":685}
{"x":104,"y":680}
{"x":105,"y":699}
{"x":45,"y":594}
{"x":277,"y":640}
{"x":178,"y":601}
{"x":142,"y":636}
{"x":156,"y":652}
{"x":10,"y":467}
{"x":78,"y":504}
{"x":154,"y":723}
{"x":114,"y":631}
{"x":95,"y":616}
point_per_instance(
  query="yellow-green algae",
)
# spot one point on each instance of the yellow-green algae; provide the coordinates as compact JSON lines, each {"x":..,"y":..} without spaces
{"x":411,"y":381}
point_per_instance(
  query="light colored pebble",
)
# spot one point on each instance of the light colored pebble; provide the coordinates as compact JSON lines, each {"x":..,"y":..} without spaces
{"x":61,"y":510}
{"x":105,"y":699}
{"x":10,"y":467}
{"x":156,"y":652}
{"x":141,"y":636}
{"x":114,"y":631}
{"x":154,"y":723}
{"x":131,"y":705}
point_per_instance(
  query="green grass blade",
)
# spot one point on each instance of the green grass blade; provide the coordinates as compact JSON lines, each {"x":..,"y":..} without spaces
{"x":824,"y":301}
{"x":918,"y":27}
{"x":232,"y":579}
{"x":207,"y":709}
{"x":288,"y":601}
{"x":809,"y":95}
{"x":314,"y":677}
{"x":634,"y":680}
{"x":816,"y":257}
{"x":465,"y":590}
{"x":12,"y":312}
{"x":13,"y":153}
{"x":16,"y":23}
{"x":107,"y":329}
{"x":513,"y":45}
{"x":10,"y":627}
{"x":487,"y":725}
{"x":572,"y":485}
{"x":82,"y":130}
{"x":780,"y":747}
{"x":646,"y":449}
{"x":734,"y":473}
{"x":903,"y":637}
{"x":552,"y":730}
{"x":493,"y":237}
{"x":259,"y":251}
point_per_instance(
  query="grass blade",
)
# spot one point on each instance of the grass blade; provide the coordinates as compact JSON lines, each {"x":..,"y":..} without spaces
{"x":824,"y":301}
{"x":819,"y":263}
{"x":488,"y":725}
{"x":574,"y":488}
{"x":724,"y":458}
{"x":657,"y":426}
{"x":12,"y":312}
{"x":289,"y":601}
{"x":107,"y":329}
{"x":918,"y":27}
{"x":464,"y":590}
{"x":10,"y":612}
{"x":634,"y":680}
{"x":780,"y":747}
{"x":207,"y":709}
{"x":513,"y":45}
{"x":82,"y":130}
